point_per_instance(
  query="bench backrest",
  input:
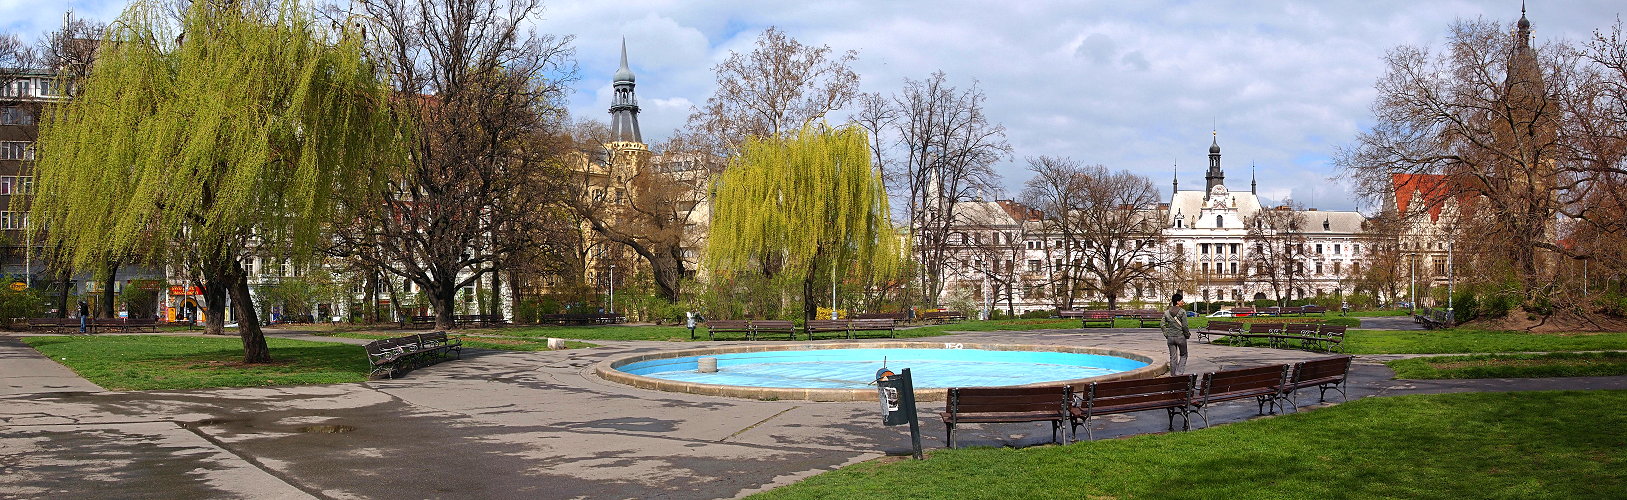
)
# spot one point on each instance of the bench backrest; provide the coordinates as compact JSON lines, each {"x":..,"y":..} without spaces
{"x":827,"y":324}
{"x":1070,"y":314}
{"x":432,"y":338}
{"x":1315,"y":309}
{"x":385,"y":346}
{"x":1008,"y":399}
{"x":871,"y":324}
{"x":1244,"y":380}
{"x":1307,"y":329}
{"x":897,"y":316}
{"x":1097,"y":314}
{"x":1333,"y":330}
{"x":1265,"y":328}
{"x":1242,"y":310}
{"x":1322,"y":369}
{"x":1172,"y":391}
{"x":729,"y":324}
{"x":1225,"y":326}
{"x":773,"y":324}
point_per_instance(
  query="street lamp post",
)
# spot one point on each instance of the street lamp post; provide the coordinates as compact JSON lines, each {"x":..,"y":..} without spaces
{"x":1451,"y":281}
{"x":612,"y":289}
{"x":1412,"y":286}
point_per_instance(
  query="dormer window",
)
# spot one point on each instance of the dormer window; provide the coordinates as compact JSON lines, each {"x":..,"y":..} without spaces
{"x":1325,"y":225}
{"x":1220,"y":221}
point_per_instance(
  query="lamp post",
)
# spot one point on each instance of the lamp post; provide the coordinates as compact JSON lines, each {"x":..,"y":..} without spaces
{"x":1412,"y":286}
{"x":1451,"y":280}
{"x":612,"y":289}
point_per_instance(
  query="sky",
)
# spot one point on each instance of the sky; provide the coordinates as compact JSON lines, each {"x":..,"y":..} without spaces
{"x":1131,"y":85}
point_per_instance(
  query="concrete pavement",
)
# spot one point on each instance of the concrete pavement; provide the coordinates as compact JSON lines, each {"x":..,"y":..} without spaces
{"x":506,"y":425}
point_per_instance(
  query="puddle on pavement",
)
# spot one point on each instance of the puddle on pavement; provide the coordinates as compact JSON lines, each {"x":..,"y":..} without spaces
{"x":326,"y":429}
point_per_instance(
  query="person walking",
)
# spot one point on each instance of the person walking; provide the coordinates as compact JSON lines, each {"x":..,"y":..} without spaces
{"x":84,"y":315}
{"x":1176,"y":333}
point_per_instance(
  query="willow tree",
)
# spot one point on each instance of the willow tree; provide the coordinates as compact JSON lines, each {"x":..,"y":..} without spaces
{"x":812,"y":200}
{"x":229,"y":132}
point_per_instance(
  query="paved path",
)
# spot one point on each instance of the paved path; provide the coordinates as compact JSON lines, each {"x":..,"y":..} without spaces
{"x":509,"y":424}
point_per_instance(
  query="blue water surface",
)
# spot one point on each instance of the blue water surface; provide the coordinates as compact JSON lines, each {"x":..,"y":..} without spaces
{"x":856,"y":368}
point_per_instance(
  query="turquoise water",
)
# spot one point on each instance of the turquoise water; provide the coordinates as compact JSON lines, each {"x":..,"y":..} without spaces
{"x":856,"y":368}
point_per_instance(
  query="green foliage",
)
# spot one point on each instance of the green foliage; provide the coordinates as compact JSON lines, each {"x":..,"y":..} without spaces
{"x":251,"y":123}
{"x":1504,"y":445}
{"x":809,"y":205}
{"x":1040,"y":314}
{"x":140,"y":302}
{"x":28,"y":303}
{"x":156,"y":362}
{"x":1558,"y":364}
{"x":1613,"y":303}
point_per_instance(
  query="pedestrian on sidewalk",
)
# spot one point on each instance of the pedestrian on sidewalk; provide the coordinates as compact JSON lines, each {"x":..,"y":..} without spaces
{"x":1176,"y":333}
{"x":84,"y":315}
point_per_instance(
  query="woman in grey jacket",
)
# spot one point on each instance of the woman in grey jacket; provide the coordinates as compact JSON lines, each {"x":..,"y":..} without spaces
{"x":1176,"y":333}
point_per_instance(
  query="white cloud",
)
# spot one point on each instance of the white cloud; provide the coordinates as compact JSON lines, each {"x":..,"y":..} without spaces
{"x":1131,"y":85}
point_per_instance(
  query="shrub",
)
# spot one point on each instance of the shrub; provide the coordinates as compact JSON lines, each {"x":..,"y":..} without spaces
{"x":1039,"y":314}
{"x":28,"y":303}
{"x":1614,"y":304}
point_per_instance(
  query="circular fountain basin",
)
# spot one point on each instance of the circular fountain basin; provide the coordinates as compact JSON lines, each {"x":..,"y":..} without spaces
{"x":844,"y":371}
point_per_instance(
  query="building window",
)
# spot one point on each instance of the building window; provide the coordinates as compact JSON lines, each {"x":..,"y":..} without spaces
{"x":16,"y":150}
{"x":13,"y":115}
{"x":13,"y":220}
{"x":7,"y":184}
{"x":1355,"y":249}
{"x":1205,"y":247}
{"x":1033,"y":265}
{"x":1336,"y":249}
{"x":1318,"y":267}
{"x":18,"y":88}
{"x":1220,"y":221}
{"x":1336,"y":265}
{"x":1234,"y":268}
{"x":1319,"y":249}
{"x":1440,"y":267}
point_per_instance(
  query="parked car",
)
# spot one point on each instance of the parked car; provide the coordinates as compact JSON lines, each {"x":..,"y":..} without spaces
{"x":1228,"y":313}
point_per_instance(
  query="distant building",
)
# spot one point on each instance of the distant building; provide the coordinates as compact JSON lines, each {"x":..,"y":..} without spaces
{"x":1000,"y":251}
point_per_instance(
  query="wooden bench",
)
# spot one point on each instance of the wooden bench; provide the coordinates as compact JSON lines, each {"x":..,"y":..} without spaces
{"x":900,"y":317}
{"x":53,"y":324}
{"x":394,"y":356}
{"x":141,"y":325}
{"x":1173,"y":394}
{"x":1323,"y":374}
{"x":1268,"y":331}
{"x":1333,"y":337}
{"x":716,"y":326}
{"x":1219,"y":329}
{"x":1306,"y":333}
{"x":943,"y":316}
{"x":827,"y":325}
{"x":787,"y":327}
{"x":872,"y":325}
{"x":1264,"y":384}
{"x":1313,"y":309}
{"x":1143,"y":318}
{"x":421,"y":322}
{"x":967,"y":405}
{"x":1102,"y":318}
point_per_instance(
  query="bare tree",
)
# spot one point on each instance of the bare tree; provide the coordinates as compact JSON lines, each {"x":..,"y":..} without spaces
{"x":484,"y":100}
{"x":1276,"y":248}
{"x":781,"y":85}
{"x":1055,"y":189}
{"x":1121,"y":230}
{"x":946,"y":149}
{"x":1526,"y":134}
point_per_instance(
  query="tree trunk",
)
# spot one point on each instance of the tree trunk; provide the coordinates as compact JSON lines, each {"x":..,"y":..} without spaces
{"x":248,"y":323}
{"x":214,"y":301}
{"x":495,"y":304}
{"x":62,"y":294}
{"x":370,"y":314}
{"x":108,"y":310}
{"x":444,"y":296}
{"x":1112,"y":301}
{"x":810,"y":307}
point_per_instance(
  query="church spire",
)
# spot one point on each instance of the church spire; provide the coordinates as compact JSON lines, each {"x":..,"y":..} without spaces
{"x":1175,"y":180}
{"x":623,"y":105}
{"x":1214,"y":176}
{"x":1253,"y":185}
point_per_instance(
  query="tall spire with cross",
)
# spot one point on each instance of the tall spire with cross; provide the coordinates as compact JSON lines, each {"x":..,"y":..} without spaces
{"x":1214,"y":176}
{"x":623,"y":105}
{"x":1253,"y":185}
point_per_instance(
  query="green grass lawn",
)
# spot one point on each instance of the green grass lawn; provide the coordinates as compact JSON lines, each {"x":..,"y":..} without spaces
{"x":475,"y":342}
{"x":1559,"y":364}
{"x":1466,"y":341}
{"x":153,"y":362}
{"x":1486,"y":445}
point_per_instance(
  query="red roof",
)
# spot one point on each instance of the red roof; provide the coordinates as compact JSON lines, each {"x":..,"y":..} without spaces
{"x":1432,"y":190}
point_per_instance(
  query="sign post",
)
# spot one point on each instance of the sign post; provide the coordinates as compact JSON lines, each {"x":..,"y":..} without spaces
{"x":897,"y":394}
